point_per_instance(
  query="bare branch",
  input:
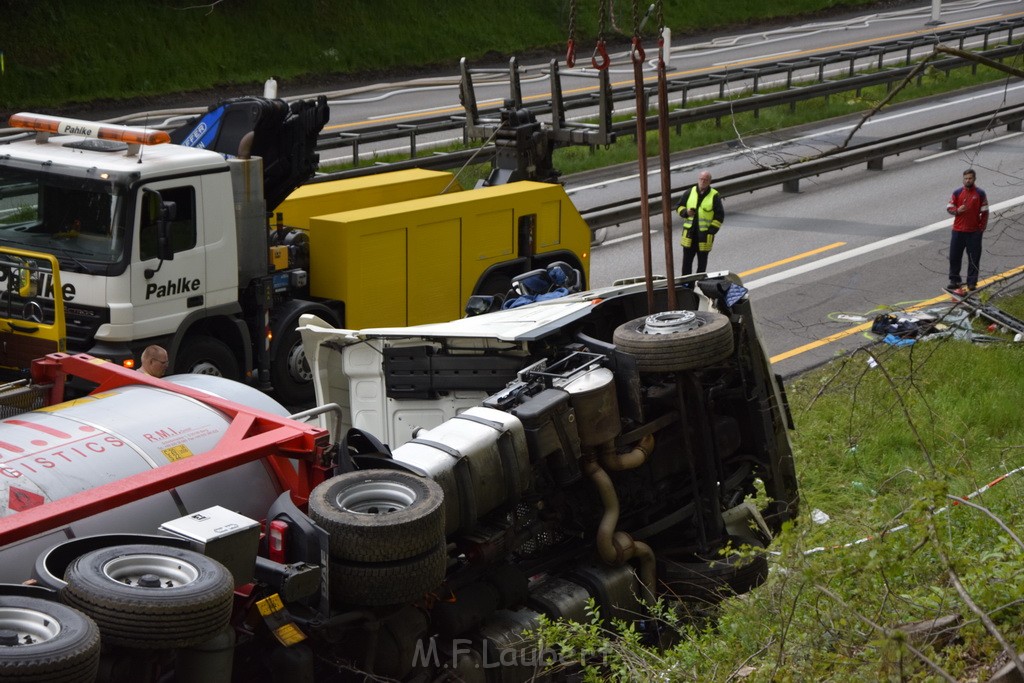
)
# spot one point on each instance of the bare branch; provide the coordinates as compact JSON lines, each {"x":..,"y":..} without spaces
{"x":990,"y":625}
{"x":1001,"y":523}
{"x":875,"y":109}
{"x":890,"y":633}
{"x":981,"y":59}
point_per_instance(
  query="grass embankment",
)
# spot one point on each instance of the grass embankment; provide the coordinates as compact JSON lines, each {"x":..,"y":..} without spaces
{"x":57,"y":53}
{"x":897,"y":441}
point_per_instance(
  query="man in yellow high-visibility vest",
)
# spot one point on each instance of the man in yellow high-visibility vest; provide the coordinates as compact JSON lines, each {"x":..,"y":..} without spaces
{"x":702,"y":212}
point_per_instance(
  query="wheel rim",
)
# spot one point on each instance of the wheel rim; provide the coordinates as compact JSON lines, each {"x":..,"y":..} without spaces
{"x":376,"y":498}
{"x":20,"y":626}
{"x":671,"y":321}
{"x":298,"y":366}
{"x":205,"y":367}
{"x":150,"y":571}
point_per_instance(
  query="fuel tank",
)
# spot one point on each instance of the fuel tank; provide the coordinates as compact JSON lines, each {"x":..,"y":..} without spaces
{"x":48,"y":454}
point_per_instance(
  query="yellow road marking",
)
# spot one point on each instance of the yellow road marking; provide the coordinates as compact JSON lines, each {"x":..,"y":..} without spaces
{"x":676,"y":74}
{"x":784,"y":261}
{"x":867,"y":326}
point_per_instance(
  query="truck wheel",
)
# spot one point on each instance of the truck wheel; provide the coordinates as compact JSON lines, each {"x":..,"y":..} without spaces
{"x":43,"y":641}
{"x":714,"y":578}
{"x":388,"y":583}
{"x":676,"y":340}
{"x":290,"y":372}
{"x":151,"y":596}
{"x":207,"y":356}
{"x":377,"y":516}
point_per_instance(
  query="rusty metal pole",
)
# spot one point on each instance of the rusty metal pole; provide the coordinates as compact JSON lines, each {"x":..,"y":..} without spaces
{"x":666,"y":180}
{"x":637,"y":55}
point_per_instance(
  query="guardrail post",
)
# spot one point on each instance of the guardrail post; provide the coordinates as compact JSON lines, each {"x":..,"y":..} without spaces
{"x":875,"y":164}
{"x":791,"y":186}
{"x":1014,"y":126}
{"x":354,"y":137}
{"x":412,"y":137}
{"x":949,"y":143}
{"x":821,"y":68}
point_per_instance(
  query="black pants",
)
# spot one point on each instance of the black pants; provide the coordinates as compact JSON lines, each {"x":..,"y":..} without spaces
{"x":961,"y":242}
{"x":702,"y":260}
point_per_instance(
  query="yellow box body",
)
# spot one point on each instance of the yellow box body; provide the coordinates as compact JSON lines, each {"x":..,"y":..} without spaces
{"x":418,"y":261}
{"x":317,"y":199}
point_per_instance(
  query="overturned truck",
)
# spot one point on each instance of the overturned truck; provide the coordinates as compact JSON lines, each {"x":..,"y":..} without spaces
{"x":463,"y":479}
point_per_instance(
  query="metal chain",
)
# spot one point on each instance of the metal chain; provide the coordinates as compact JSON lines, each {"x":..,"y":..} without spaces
{"x":572,"y":20}
{"x":637,"y":52}
{"x":570,"y":52}
{"x":659,"y":14}
{"x":600,"y":59}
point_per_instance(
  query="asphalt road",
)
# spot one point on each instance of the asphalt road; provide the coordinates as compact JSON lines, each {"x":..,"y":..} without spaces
{"x":850,"y":244}
{"x":406,"y":102}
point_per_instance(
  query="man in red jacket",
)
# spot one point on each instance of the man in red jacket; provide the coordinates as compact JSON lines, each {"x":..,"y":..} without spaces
{"x":969,"y":208}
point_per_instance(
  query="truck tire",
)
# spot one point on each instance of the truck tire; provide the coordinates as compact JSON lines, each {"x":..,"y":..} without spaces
{"x":388,"y":583}
{"x":290,"y":372}
{"x":204,"y":355}
{"x":376,"y":516}
{"x":151,"y":596}
{"x":46,"y":642}
{"x":708,"y":342}
{"x":713,"y":578}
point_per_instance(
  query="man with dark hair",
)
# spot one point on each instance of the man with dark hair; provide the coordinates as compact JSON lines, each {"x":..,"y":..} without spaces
{"x":969,"y":208}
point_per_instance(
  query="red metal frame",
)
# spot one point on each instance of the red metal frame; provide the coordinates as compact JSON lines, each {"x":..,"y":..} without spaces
{"x":252,"y":434}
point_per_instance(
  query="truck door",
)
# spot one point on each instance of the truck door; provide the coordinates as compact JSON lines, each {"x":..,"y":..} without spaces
{"x":163,"y":293}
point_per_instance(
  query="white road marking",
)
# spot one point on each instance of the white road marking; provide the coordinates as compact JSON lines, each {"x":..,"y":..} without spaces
{"x":960,"y":149}
{"x":745,"y":152}
{"x":868,"y":248}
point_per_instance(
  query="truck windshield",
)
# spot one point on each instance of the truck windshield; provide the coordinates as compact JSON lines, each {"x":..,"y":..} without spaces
{"x":78,"y":220}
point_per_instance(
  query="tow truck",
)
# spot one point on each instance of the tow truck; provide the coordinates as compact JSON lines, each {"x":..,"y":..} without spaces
{"x":455,"y":482}
{"x":213,"y":247}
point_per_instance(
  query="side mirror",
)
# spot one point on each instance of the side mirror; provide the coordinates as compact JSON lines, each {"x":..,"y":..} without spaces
{"x":164,"y":248}
{"x":159,"y":214}
{"x":482,"y":303}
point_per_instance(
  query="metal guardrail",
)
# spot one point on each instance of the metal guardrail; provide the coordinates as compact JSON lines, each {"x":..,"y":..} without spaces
{"x":788,"y":177}
{"x":715,"y":110}
{"x":872,"y":56}
{"x":792,"y":95}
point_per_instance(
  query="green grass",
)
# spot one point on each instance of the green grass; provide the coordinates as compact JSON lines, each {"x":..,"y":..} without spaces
{"x":878,"y":447}
{"x":57,"y":53}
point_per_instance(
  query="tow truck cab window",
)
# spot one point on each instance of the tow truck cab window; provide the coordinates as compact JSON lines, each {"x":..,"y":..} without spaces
{"x":182,"y":227}
{"x":77,"y":219}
